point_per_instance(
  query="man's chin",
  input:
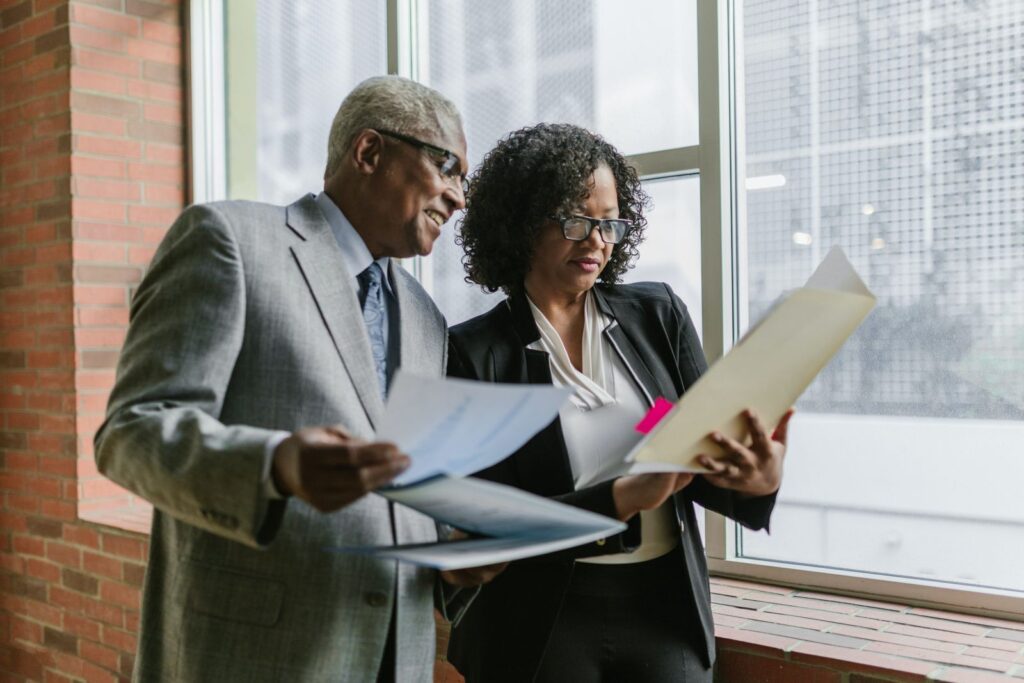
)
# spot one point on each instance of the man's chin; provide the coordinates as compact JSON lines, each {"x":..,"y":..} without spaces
{"x":425,"y":244}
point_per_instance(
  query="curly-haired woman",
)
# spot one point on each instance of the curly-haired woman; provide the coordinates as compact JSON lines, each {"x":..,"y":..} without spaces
{"x":554,"y":218}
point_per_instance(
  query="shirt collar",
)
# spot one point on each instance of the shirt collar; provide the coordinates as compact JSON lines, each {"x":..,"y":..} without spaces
{"x":595,"y":386}
{"x":354,"y":252}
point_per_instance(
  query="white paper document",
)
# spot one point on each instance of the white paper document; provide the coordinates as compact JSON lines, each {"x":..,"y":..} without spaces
{"x":765,"y":371}
{"x":451,"y":428}
{"x":457,"y":427}
{"x":516,"y":524}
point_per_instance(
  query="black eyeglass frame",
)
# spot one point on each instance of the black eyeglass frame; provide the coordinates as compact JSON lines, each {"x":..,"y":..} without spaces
{"x":449,"y":168}
{"x":605,"y":228}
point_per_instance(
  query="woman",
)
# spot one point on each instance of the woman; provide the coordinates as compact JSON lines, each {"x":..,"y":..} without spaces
{"x":554,"y":217}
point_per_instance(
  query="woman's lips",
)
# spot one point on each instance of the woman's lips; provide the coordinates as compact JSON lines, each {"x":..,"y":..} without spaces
{"x":587,"y":265}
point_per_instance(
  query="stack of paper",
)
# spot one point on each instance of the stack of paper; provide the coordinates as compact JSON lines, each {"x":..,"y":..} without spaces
{"x":514,"y":524}
{"x":451,"y":428}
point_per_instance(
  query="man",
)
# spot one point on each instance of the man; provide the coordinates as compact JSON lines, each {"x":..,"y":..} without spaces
{"x":260,"y":346}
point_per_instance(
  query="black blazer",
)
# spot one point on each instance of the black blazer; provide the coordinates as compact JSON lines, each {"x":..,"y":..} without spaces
{"x":503,"y":635}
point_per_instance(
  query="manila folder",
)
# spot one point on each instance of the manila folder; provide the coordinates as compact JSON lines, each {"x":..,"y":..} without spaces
{"x":766,"y":371}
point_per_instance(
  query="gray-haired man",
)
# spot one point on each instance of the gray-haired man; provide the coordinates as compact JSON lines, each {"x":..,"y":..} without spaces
{"x":254,"y":369}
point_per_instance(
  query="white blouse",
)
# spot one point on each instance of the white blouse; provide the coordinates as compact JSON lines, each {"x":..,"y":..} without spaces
{"x":598,"y":421}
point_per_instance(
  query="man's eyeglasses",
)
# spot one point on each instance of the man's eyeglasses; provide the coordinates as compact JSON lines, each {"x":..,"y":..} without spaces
{"x":578,"y":228}
{"x":448,"y":165}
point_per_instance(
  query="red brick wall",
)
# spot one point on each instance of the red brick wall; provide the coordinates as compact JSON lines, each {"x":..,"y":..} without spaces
{"x":91,"y":173}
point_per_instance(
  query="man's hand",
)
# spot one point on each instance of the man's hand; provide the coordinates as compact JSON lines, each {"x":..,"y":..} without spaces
{"x":636,"y":492}
{"x":754,"y":470}
{"x":328,"y":469}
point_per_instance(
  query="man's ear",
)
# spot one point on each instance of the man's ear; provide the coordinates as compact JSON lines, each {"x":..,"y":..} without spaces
{"x":366,"y":151}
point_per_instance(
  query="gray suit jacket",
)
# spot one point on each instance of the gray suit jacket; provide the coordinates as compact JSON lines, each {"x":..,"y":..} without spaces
{"x":246,"y":323}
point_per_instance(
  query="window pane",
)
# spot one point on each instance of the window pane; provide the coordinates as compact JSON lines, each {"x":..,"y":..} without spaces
{"x":670,"y":253}
{"x":627,"y":70}
{"x":894,"y":130}
{"x":671,"y":250}
{"x":309,"y":54}
{"x":457,"y":299}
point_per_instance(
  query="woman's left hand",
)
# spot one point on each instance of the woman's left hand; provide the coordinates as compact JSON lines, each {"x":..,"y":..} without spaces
{"x":470,"y":576}
{"x":473,"y":576}
{"x":754,"y":470}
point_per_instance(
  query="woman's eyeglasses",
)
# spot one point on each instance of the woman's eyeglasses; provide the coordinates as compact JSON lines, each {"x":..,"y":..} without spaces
{"x":578,"y":228}
{"x":448,"y":164}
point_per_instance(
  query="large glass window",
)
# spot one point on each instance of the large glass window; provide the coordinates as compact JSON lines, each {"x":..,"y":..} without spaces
{"x":671,"y":250}
{"x":625,"y":70}
{"x":896,"y":130}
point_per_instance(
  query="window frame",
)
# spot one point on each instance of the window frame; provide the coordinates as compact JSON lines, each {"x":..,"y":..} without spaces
{"x":717,"y":160}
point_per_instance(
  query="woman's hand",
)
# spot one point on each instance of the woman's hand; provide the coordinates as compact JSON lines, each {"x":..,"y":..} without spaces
{"x":470,"y":576}
{"x":754,"y":470}
{"x":637,"y":492}
{"x":473,"y":576}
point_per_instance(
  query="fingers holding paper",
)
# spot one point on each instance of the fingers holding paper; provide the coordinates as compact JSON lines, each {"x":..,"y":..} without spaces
{"x":328,"y":469}
{"x":473,"y":576}
{"x":470,"y":576}
{"x":753,"y":468}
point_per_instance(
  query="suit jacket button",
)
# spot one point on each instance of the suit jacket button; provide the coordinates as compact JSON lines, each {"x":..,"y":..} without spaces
{"x":601,"y":541}
{"x":375,"y":598}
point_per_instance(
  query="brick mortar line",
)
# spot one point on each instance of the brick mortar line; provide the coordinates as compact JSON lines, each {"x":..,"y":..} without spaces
{"x":787,"y":656}
{"x":31,"y":39}
{"x":962,"y":648}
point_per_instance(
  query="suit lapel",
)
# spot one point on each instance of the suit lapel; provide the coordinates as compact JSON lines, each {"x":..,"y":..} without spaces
{"x":542,"y":464}
{"x":648,"y":371}
{"x":333,"y":289}
{"x":546,"y":467}
{"x":421,"y":338}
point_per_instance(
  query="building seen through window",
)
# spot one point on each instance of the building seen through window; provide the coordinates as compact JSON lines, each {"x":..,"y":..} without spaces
{"x":896,"y":130}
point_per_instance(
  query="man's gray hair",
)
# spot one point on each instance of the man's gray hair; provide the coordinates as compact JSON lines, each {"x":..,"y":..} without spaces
{"x":391,"y":103}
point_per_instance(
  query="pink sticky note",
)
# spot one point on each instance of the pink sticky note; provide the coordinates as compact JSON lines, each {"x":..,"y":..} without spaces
{"x":658,"y":410}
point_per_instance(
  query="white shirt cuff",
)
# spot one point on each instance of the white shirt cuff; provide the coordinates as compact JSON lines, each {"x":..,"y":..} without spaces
{"x":269,"y":490}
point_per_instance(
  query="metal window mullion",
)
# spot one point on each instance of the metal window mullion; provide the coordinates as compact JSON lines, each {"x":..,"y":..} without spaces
{"x":207,"y":149}
{"x":667,"y":162}
{"x":405,"y":21}
{"x":401,"y":37}
{"x":241,"y":103}
{"x":717,"y":214}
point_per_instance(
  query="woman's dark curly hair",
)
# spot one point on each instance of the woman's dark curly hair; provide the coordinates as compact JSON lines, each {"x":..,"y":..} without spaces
{"x":535,"y":173}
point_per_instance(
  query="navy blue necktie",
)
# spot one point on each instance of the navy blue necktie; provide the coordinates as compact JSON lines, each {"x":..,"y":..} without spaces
{"x":372,"y":292}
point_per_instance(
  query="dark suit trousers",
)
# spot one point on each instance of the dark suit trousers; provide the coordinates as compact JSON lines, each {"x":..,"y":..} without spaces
{"x":623,"y":623}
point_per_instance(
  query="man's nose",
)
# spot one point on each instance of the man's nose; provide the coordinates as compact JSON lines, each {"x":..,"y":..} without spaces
{"x":454,"y":194}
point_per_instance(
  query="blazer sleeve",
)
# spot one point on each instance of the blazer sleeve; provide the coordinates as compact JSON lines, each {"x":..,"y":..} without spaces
{"x":753,"y":513}
{"x":162,"y":438}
